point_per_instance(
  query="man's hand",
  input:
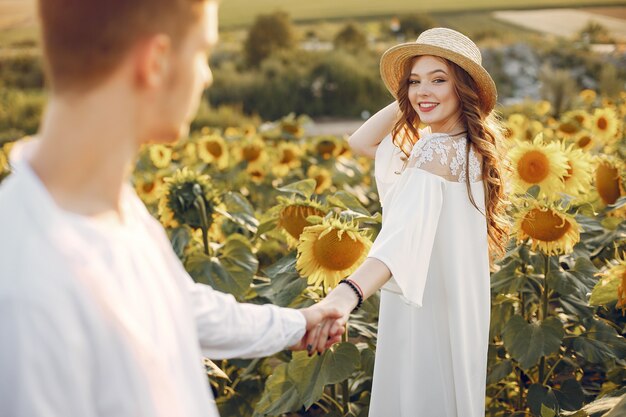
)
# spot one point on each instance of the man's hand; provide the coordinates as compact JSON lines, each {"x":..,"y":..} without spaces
{"x":320,"y":317}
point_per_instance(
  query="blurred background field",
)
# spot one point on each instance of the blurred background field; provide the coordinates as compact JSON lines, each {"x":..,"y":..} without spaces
{"x":268,"y":149}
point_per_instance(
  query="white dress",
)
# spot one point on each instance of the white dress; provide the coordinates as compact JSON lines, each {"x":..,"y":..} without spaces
{"x":431,"y":356}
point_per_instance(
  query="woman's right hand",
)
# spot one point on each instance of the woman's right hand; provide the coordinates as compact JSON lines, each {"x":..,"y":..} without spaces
{"x":367,"y":137}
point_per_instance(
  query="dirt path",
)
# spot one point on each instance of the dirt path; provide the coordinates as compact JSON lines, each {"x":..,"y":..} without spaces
{"x":334,"y":127}
{"x":562,"y":22}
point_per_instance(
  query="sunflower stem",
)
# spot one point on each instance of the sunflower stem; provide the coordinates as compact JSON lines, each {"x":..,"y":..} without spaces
{"x":544,"y":312}
{"x":204,"y":222}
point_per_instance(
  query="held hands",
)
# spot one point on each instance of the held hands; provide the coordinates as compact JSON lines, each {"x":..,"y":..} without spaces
{"x":327,"y":319}
{"x":318,"y":316}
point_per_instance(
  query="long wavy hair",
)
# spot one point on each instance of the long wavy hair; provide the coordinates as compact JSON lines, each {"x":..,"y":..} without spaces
{"x":484,"y":134}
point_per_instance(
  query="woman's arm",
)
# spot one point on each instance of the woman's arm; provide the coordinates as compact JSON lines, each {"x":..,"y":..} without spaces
{"x":367,"y":137}
{"x":371,"y":275}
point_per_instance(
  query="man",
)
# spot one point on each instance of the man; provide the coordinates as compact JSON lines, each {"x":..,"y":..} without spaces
{"x":97,"y":315}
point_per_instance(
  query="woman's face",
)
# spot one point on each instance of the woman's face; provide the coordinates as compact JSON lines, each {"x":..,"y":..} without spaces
{"x":432,"y":94}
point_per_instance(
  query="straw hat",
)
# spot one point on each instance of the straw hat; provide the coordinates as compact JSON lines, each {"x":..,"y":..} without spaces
{"x":444,"y":43}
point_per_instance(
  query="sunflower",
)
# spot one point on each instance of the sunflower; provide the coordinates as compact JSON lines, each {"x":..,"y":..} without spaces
{"x":536,"y":163}
{"x":579,"y":176}
{"x":322,"y":177}
{"x":212,"y":149}
{"x":326,"y":146}
{"x":148,"y":187}
{"x":573,"y":122}
{"x":257,"y":173}
{"x":609,"y":178}
{"x":252,"y":150}
{"x":293,"y":217}
{"x":289,"y":158}
{"x":588,"y":96}
{"x":585,"y":141}
{"x":549,"y":228}
{"x":604,"y":124}
{"x":542,"y":108}
{"x":188,"y":198}
{"x":330,"y":251}
{"x":612,"y":284}
{"x":160,"y":155}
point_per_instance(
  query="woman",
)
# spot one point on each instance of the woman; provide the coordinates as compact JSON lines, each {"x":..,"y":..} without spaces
{"x":443,"y":225}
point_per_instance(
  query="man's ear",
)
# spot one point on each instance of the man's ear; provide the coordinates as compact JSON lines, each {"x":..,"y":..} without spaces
{"x":153,"y":61}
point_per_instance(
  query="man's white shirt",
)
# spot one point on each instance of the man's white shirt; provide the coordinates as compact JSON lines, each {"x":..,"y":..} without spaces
{"x":99,"y":318}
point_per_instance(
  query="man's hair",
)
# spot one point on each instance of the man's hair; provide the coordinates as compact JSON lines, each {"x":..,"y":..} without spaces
{"x":85,"y":40}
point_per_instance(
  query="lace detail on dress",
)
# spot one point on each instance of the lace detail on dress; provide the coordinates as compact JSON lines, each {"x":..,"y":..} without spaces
{"x":445,"y":156}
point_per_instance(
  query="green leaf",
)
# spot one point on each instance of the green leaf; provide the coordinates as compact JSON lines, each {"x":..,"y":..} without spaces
{"x":340,"y":362}
{"x":507,"y":280}
{"x":304,"y":188}
{"x":240,"y":211}
{"x":347,"y":201}
{"x":285,"y":283}
{"x":239,"y":261}
{"x":310,"y":375}
{"x":231,"y":271}
{"x":593,"y":346}
{"x":619,"y":409}
{"x":180,"y":237}
{"x":547,"y":411}
{"x":541,"y":397}
{"x":499,"y":371}
{"x":570,"y":395}
{"x":528,"y":342}
{"x":280,"y":394}
{"x":367,"y":361}
{"x":500,"y":315}
{"x":306,"y":373}
{"x":605,"y":291}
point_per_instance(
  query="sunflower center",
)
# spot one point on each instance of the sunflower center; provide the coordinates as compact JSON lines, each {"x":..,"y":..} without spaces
{"x":293,"y":219}
{"x":335,"y":254}
{"x":326,"y":147}
{"x":607,"y":183}
{"x":148,"y":187}
{"x":214,"y":149}
{"x":533,"y":167}
{"x":602,"y":123}
{"x":568,"y":128}
{"x":546,"y":225}
{"x":583,"y":141}
{"x":288,"y":156}
{"x":251,"y":153}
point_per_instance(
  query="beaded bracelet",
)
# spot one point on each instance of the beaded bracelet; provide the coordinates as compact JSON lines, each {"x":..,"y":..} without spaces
{"x":357,"y":291}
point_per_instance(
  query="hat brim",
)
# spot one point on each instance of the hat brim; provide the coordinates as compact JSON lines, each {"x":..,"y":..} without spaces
{"x":393,"y":60}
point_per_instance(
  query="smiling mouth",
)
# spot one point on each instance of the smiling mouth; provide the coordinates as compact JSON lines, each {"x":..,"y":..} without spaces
{"x":426,"y":107}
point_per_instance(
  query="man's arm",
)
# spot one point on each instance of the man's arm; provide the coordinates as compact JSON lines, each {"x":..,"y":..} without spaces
{"x":229,"y":329}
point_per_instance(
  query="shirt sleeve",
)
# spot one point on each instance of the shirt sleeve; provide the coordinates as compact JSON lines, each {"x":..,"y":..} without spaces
{"x":405,"y":241}
{"x":229,"y":329}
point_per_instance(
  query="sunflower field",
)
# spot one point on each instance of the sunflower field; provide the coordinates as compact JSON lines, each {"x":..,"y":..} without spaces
{"x":272,"y":215}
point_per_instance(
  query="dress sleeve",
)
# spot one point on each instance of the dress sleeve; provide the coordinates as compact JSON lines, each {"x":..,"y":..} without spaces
{"x":406,"y":239}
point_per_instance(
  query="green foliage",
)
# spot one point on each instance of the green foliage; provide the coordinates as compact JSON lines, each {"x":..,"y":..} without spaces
{"x":269,"y":32}
{"x":22,"y":71}
{"x":20,"y":113}
{"x":411,"y":25}
{"x":350,"y":38}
